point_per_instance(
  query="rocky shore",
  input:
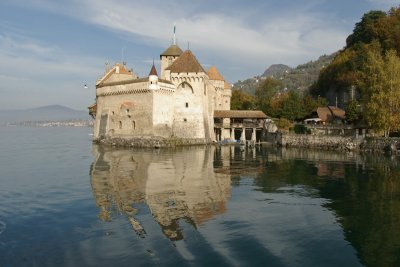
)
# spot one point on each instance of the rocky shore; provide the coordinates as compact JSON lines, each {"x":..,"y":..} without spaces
{"x":153,"y":142}
{"x":342,"y":143}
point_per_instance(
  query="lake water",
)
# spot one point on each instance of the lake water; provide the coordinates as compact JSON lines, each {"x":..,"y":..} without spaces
{"x":66,"y":202}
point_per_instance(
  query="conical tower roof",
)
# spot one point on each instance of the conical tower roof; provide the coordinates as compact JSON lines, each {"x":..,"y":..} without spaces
{"x":214,"y":74}
{"x":187,"y":62}
{"x":153,"y":71}
{"x":173,"y":50}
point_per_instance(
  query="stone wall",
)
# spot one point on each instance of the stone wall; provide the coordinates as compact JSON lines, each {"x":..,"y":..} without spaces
{"x":320,"y":141}
{"x":152,"y":142}
{"x":370,"y":144}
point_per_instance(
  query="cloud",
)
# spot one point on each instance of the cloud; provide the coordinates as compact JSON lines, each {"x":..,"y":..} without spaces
{"x":291,"y":36}
{"x":44,"y":73}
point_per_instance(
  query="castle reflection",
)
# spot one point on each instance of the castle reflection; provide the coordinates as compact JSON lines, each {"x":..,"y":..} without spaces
{"x":179,"y":184}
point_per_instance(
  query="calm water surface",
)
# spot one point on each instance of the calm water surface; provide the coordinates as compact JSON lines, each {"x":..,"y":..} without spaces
{"x":66,"y":202}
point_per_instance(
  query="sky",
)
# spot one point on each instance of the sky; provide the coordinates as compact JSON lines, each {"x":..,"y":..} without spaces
{"x":49,"y":49}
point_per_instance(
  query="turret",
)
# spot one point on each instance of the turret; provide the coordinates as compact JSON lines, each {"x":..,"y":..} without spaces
{"x":153,"y":79}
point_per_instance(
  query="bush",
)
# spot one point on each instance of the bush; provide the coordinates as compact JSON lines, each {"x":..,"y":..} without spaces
{"x":283,"y":124}
{"x":301,"y":129}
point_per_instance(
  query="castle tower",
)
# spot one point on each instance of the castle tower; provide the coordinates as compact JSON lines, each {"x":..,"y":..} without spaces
{"x":153,"y":79}
{"x":168,"y":57}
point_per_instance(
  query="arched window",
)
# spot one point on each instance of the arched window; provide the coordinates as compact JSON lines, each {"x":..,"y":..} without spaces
{"x":185,"y":86}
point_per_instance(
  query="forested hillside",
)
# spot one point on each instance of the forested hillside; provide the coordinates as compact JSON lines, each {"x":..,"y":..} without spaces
{"x":299,"y":78}
{"x":370,"y":66}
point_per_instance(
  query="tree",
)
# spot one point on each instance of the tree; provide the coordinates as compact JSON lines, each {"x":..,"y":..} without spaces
{"x":310,"y":104}
{"x":352,"y":111}
{"x":265,"y":92}
{"x":380,"y":85}
{"x":242,"y":101}
{"x":367,"y":29}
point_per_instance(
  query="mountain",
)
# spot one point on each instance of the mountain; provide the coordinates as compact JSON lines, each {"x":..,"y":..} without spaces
{"x":45,"y":113}
{"x":276,"y":70}
{"x":299,"y":78}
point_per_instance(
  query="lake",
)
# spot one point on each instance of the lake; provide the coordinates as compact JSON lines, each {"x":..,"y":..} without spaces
{"x":67,"y":202}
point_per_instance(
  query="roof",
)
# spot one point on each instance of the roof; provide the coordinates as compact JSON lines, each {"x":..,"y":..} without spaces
{"x":153,"y":71}
{"x":187,"y":62}
{"x":329,"y":113}
{"x":214,"y":74}
{"x":173,"y":50}
{"x":227,"y":85}
{"x":242,"y":114}
{"x":113,"y":70}
{"x":337,"y":112}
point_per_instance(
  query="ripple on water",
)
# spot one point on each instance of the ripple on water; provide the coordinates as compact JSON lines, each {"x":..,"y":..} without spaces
{"x":2,"y":227}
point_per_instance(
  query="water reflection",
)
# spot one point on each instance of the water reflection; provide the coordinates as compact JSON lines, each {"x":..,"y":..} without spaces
{"x":175,"y":185}
{"x":275,"y":199}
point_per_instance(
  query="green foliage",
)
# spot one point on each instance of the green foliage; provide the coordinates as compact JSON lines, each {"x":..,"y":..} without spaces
{"x":301,"y":129}
{"x":353,"y":111}
{"x":283,"y":124}
{"x":367,"y":29}
{"x":288,"y":105}
{"x":242,"y":101}
{"x":265,"y":92}
{"x":377,"y":31}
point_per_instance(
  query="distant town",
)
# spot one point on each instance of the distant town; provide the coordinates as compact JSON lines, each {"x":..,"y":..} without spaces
{"x":67,"y":123}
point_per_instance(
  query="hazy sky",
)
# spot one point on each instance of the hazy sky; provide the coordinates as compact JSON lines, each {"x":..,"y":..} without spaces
{"x":50,"y":48}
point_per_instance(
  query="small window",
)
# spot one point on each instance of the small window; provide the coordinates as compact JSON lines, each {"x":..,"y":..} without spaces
{"x":187,"y":104}
{"x":113,"y":112}
{"x":133,"y":125}
{"x":185,"y":120}
{"x":120,"y":124}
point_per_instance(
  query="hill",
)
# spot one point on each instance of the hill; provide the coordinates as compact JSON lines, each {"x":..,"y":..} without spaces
{"x":276,"y":70}
{"x":45,"y":113}
{"x":299,"y":78}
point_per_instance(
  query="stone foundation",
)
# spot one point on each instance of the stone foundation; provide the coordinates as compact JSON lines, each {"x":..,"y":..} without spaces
{"x":328,"y":142}
{"x":153,"y":142}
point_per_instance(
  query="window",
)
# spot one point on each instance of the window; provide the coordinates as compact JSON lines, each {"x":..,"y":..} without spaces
{"x":133,"y":125}
{"x":120,"y":124}
{"x":187,"y":104}
{"x":185,"y":120}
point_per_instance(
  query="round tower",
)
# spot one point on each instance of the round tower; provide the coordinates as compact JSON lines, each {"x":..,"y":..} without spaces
{"x":153,"y":79}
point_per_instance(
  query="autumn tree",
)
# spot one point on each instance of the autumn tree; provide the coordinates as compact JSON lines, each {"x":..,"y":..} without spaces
{"x":242,"y":101}
{"x":380,"y":84}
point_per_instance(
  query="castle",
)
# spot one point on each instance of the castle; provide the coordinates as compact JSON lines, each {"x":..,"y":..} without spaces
{"x":181,"y":103}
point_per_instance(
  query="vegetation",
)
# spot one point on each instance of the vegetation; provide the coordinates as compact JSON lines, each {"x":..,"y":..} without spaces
{"x":299,"y":78}
{"x":369,"y":62}
{"x":242,"y":101}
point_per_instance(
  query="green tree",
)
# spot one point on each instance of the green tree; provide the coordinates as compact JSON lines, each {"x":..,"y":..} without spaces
{"x":352,"y":111}
{"x":242,"y":101}
{"x":265,"y":92}
{"x":367,"y":29}
{"x":310,"y":104}
{"x":293,"y":108}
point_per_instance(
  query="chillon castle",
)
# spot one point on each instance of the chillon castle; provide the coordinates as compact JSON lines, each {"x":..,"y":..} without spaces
{"x":183,"y":102}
